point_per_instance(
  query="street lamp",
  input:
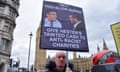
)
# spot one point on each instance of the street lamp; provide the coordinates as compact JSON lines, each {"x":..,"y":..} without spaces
{"x":29,"y":50}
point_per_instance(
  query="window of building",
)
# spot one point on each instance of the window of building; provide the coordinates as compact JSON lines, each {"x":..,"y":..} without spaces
{"x":15,"y":1}
{"x":2,"y":8}
{"x":4,"y":0}
{"x":4,"y":43}
{"x":12,"y":13}
{"x":0,"y":21}
{"x":6,"y":28}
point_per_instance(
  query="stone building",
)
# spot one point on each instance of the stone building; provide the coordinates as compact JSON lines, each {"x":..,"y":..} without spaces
{"x":82,"y":64}
{"x":40,"y":55}
{"x":8,"y":15}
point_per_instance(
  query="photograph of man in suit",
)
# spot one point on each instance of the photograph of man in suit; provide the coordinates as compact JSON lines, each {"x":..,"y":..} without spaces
{"x":77,"y":21}
{"x":51,"y":20}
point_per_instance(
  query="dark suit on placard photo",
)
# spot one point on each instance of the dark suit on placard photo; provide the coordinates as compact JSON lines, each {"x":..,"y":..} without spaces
{"x":77,"y":21}
{"x":79,"y":27}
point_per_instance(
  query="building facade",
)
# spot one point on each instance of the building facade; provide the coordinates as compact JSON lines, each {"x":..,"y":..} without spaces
{"x":8,"y":15}
{"x":82,"y":64}
{"x":40,"y":54}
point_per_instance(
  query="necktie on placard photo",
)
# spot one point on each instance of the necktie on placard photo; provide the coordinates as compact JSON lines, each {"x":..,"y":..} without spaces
{"x":51,"y":24}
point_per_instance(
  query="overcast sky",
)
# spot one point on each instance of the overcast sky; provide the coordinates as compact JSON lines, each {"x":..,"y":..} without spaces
{"x":99,"y":15}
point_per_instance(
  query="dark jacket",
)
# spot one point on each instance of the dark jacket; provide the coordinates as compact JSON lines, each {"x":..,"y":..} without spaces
{"x":80,"y":27}
{"x":52,"y":67}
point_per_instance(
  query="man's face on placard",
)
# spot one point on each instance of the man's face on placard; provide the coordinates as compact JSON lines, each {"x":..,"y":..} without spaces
{"x":52,"y":16}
